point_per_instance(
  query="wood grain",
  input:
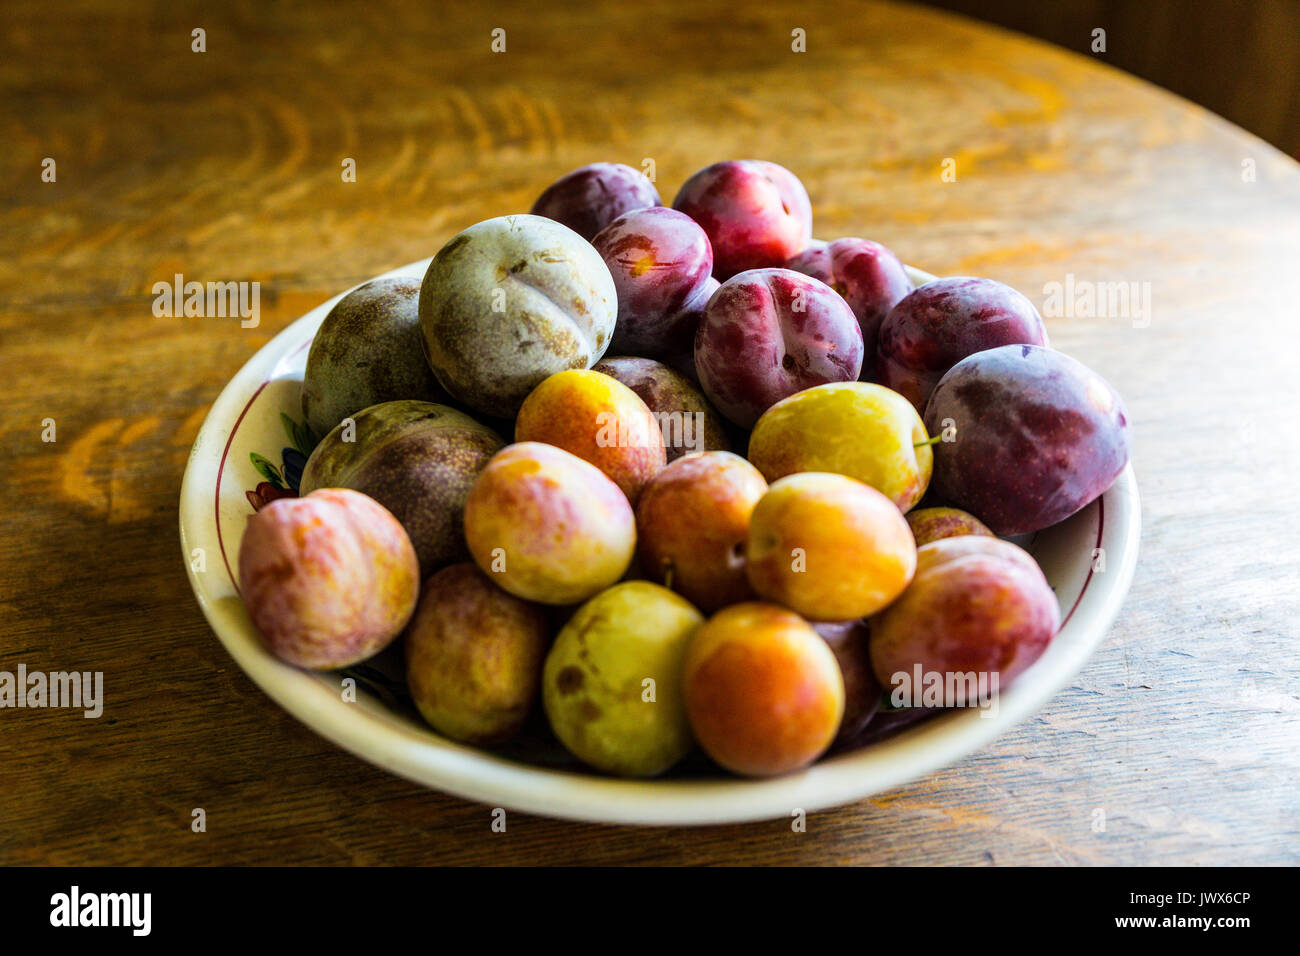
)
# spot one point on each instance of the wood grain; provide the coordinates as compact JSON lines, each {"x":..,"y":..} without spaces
{"x":1183,"y":731}
{"x":1240,"y":60}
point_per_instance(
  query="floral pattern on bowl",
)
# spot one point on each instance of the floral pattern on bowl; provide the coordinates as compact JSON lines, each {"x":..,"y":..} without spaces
{"x":282,"y":481}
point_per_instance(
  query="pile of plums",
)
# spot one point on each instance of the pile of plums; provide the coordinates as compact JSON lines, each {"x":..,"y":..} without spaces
{"x":617,"y":557}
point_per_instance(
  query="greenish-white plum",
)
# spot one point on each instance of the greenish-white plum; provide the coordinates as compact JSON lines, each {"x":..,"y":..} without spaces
{"x":368,"y":350}
{"x":510,"y":301}
{"x":418,"y":460}
{"x":612,"y":685}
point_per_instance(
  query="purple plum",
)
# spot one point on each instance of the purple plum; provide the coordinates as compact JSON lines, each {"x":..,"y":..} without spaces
{"x":941,"y":323}
{"x":591,"y":197}
{"x":662,"y":264}
{"x":1036,"y":436}
{"x":768,"y":333}
{"x":871,"y":279}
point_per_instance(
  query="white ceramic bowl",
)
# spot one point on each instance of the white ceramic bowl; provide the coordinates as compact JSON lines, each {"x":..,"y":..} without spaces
{"x":246,"y":419}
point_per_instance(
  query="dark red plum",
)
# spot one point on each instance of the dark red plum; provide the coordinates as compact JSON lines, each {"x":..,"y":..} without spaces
{"x":662,"y":265}
{"x":942,"y":322}
{"x":850,"y":642}
{"x":768,"y":333}
{"x":871,"y":279}
{"x":682,"y":359}
{"x":591,"y":197}
{"x":756,"y":214}
{"x":1038,"y":435}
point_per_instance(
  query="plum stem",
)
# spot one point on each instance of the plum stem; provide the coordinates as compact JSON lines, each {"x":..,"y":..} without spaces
{"x":928,"y":441}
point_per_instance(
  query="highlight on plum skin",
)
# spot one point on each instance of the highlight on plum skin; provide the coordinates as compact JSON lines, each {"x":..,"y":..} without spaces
{"x":661,"y":262}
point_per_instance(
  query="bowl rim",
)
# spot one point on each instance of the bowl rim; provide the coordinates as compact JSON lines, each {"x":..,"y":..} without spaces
{"x":420,"y":755}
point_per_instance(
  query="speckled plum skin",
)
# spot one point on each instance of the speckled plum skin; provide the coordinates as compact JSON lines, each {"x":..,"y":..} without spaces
{"x":367,"y":350}
{"x":848,"y":640}
{"x":693,"y":424}
{"x":870,"y":278}
{"x":547,"y":526}
{"x":977,"y":605}
{"x":510,"y":301}
{"x":661,"y":262}
{"x":942,"y":322}
{"x":935,"y":524}
{"x":764,"y":692}
{"x":329,"y":580}
{"x":417,"y":459}
{"x":769,"y":333}
{"x":1038,"y":435}
{"x":755,"y":213}
{"x":591,"y":197}
{"x":600,"y":420}
{"x":474,"y":656}
{"x":593,"y":684}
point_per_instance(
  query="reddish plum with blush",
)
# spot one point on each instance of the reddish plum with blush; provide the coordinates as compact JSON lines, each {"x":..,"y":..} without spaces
{"x":768,"y":333}
{"x":591,"y":197}
{"x":329,"y":579}
{"x":977,"y":607}
{"x":1036,"y":434}
{"x":756,"y":214}
{"x":871,"y":279}
{"x":942,"y":322}
{"x":662,"y":264}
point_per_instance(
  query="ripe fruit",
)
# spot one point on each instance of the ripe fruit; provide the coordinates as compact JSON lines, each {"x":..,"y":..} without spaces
{"x":756,"y":214}
{"x":474,"y":656}
{"x":763,"y":690}
{"x":869,"y":277}
{"x":934,"y":524}
{"x":692,"y":525}
{"x":941,"y":323}
{"x":367,"y":350}
{"x":416,"y":459}
{"x":769,"y":333}
{"x":510,"y":301}
{"x":612,"y":685}
{"x":686,"y":419}
{"x":829,"y":547}
{"x":600,"y":420}
{"x":661,"y":263}
{"x":329,"y":580}
{"x":977,"y":606}
{"x":591,"y":197}
{"x":856,"y":429}
{"x":1038,"y":435}
{"x":548,"y":527}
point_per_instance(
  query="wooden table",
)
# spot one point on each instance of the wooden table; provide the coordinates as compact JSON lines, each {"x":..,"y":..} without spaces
{"x":1183,"y":733}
